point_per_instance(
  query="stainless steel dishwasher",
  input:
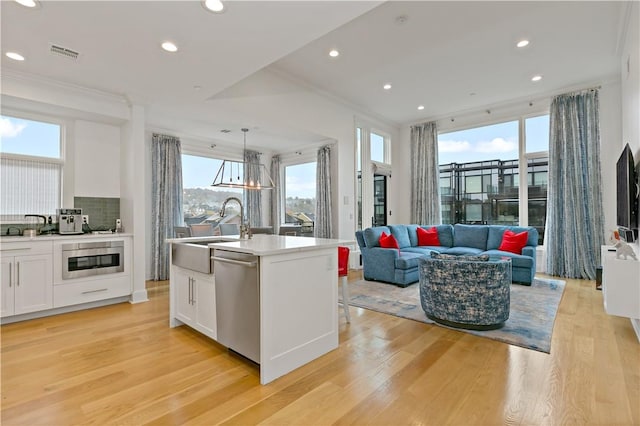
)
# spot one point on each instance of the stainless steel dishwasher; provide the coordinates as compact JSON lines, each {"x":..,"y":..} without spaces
{"x":238,"y":302}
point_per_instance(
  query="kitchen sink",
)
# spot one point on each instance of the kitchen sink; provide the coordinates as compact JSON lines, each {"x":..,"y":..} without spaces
{"x":196,"y":255}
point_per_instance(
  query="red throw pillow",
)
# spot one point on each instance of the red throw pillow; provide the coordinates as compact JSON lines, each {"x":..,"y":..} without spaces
{"x":512,"y":242}
{"x":388,"y":241}
{"x":428,"y":237}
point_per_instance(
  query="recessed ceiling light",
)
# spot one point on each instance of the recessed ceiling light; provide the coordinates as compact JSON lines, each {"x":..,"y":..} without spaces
{"x":15,"y":56}
{"x":522,"y":43}
{"x":28,"y":3}
{"x":169,"y":47}
{"x":386,"y":86}
{"x":420,"y":107}
{"x":333,"y":53}
{"x":215,"y":6}
{"x":536,"y":78}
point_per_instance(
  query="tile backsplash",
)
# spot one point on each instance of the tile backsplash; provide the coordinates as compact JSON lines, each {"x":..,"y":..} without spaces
{"x":102,"y":212}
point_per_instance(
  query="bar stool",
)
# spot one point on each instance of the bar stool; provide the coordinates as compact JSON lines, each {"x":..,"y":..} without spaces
{"x":343,"y":271}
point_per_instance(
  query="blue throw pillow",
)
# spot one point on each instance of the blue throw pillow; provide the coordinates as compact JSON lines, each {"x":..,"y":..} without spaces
{"x":470,"y":236}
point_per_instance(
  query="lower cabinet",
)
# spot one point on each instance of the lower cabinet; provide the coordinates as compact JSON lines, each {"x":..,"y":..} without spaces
{"x":91,"y":291}
{"x":195,"y":300}
{"x":27,"y":284}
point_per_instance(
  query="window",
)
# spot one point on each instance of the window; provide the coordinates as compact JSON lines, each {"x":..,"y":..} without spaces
{"x":31,"y":167}
{"x":481,"y":169}
{"x":201,"y":202}
{"x":373,"y":148}
{"x":300,"y":194}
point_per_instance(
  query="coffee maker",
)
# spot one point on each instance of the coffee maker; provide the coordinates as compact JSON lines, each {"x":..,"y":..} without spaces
{"x":69,"y":221}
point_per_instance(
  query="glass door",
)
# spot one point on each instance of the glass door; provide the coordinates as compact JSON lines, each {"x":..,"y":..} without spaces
{"x":379,"y":200}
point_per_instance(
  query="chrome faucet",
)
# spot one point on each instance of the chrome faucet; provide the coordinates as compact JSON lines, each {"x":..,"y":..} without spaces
{"x":245,"y":231}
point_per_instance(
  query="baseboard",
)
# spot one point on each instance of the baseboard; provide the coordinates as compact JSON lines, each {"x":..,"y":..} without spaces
{"x":635,"y":323}
{"x":63,"y":310}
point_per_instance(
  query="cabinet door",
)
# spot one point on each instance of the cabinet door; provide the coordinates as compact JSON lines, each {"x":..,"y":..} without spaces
{"x":185,"y":309}
{"x":33,"y":283}
{"x":7,"y":283}
{"x":205,"y":303}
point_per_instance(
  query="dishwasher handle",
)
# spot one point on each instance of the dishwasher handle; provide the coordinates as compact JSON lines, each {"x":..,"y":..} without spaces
{"x":234,"y":262}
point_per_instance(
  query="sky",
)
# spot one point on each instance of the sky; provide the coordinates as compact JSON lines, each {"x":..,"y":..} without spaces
{"x":199,"y":172}
{"x":19,"y":136}
{"x":494,"y":142}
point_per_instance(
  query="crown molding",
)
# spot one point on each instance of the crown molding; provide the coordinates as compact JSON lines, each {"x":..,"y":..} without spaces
{"x":60,"y":85}
{"x":624,"y":21}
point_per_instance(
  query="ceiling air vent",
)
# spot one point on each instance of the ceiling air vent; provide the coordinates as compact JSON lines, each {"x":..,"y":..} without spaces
{"x":64,"y":52}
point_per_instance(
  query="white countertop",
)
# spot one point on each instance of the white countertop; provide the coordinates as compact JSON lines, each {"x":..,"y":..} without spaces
{"x":264,"y":245}
{"x":58,"y":237}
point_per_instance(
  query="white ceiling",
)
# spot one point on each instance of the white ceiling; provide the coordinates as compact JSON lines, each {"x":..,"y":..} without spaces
{"x":438,"y":56}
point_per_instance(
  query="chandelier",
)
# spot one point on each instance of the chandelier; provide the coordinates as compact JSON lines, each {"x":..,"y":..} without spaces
{"x":243,"y":174}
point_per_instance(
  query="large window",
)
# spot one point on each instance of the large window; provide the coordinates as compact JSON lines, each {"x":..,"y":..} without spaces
{"x":300,"y":194}
{"x":201,"y":202}
{"x":482,"y":170}
{"x":31,"y":167}
{"x":373,"y":167}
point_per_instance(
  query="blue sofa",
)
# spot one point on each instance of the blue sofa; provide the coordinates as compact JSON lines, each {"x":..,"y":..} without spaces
{"x":400,"y":267}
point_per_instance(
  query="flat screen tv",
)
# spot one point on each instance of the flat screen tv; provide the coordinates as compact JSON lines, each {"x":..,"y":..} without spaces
{"x":627,"y":191}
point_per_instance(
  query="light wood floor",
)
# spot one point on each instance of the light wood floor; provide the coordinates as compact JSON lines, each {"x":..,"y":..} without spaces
{"x":122,"y":364}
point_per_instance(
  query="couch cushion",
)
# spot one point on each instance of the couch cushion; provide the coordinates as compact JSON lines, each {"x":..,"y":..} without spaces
{"x":513,"y":242}
{"x":408,"y":260}
{"x":517,"y":260}
{"x":470,"y":236}
{"x":470,"y":251}
{"x":424,"y":250}
{"x":388,"y":241}
{"x":468,"y":258}
{"x":445,"y":234}
{"x":428,"y":237}
{"x":372,"y":235}
{"x":495,"y":235}
{"x":401,"y":234}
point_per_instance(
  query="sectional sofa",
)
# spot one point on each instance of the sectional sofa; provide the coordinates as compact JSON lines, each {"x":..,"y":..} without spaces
{"x":400,"y":265}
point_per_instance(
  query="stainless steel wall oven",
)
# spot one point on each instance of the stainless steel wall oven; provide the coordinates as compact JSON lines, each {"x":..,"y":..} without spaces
{"x":87,"y":259}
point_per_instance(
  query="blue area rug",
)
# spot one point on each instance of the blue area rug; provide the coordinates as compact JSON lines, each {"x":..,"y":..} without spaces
{"x":531,"y":317}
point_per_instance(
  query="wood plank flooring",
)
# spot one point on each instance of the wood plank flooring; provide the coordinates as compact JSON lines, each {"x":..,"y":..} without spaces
{"x":123,"y":365}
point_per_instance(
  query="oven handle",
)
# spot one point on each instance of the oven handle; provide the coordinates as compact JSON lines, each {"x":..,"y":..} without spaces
{"x":96,"y":245}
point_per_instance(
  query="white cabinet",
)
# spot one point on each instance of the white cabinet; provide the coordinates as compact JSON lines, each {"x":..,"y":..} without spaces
{"x":194,"y":299}
{"x":27,"y":284}
{"x":621,"y":285}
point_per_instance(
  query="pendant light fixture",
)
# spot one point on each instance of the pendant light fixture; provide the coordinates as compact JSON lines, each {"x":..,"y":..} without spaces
{"x":243,"y":174}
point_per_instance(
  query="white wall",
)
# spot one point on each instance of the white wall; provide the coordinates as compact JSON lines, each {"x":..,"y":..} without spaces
{"x":610,"y":149}
{"x":97,"y":159}
{"x":630,"y":79}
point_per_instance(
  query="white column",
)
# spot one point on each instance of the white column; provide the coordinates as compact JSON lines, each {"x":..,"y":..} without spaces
{"x":132,"y":198}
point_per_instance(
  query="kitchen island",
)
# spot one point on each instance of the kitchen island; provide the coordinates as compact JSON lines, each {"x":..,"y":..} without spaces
{"x":282,"y":315}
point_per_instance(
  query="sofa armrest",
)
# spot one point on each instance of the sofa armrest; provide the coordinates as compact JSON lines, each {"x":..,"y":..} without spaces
{"x":529,"y":251}
{"x":383,"y":254}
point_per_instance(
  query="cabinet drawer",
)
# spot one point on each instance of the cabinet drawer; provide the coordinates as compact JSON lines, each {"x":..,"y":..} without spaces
{"x":28,"y":247}
{"x":90,"y":291}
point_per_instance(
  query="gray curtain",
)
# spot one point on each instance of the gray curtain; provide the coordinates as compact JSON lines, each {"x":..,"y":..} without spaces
{"x":276,"y":206}
{"x":166,"y":199}
{"x":252,"y":198}
{"x":575,"y":229}
{"x":322,"y":227}
{"x":425,"y":175}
